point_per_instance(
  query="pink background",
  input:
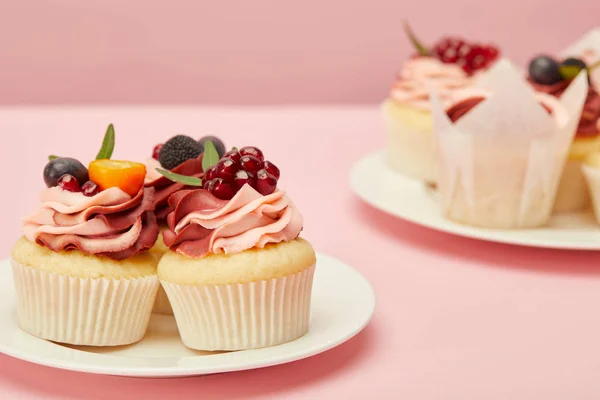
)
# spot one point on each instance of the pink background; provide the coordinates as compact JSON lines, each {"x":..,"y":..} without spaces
{"x":250,"y":52}
{"x":456,"y":319}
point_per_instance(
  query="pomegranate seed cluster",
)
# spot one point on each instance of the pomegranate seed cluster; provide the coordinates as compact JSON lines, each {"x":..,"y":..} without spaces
{"x":471,"y":57}
{"x":239,"y":167}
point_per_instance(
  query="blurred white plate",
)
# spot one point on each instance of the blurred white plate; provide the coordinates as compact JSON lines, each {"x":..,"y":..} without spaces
{"x":342,"y":305}
{"x":411,"y":200}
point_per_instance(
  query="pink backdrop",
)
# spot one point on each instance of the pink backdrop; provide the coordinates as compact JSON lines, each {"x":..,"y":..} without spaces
{"x":249,"y":52}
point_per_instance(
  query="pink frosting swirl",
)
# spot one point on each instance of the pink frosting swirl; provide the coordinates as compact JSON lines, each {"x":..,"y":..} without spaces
{"x":202,"y":224}
{"x":412,"y":85}
{"x":111,"y":223}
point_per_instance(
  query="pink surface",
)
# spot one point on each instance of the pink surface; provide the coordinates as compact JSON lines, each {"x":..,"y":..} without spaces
{"x":251,"y":52}
{"x":455,"y":319}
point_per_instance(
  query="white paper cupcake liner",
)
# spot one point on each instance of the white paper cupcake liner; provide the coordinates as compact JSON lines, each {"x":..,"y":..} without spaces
{"x":243,"y":316}
{"x":592,"y":176}
{"x":162,"y":305}
{"x":83,"y":311}
{"x":410,"y":151}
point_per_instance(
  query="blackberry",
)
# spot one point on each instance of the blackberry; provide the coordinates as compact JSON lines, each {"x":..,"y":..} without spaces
{"x":177,"y":150}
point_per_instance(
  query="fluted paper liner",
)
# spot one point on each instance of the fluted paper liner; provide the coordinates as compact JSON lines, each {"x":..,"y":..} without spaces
{"x":242,"y":316}
{"x":83,"y":311}
{"x":500,"y":163}
{"x":592,"y":176}
{"x":162,"y":305}
{"x":410,"y":151}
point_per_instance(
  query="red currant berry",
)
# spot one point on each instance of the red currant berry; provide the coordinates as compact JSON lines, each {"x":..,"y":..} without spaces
{"x":244,"y":177}
{"x":252,"y":151}
{"x":265,"y":182}
{"x":156,"y":151}
{"x":68,"y":182}
{"x":447,"y":49}
{"x":90,"y":189}
{"x":233,"y":154}
{"x":210,"y":173}
{"x":226,"y":168}
{"x":221,"y":189}
{"x":272,"y":169}
{"x":250,"y":163}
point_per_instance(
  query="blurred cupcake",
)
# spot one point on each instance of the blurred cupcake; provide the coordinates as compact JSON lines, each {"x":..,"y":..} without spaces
{"x":502,"y":149}
{"x":182,"y":155}
{"x":82,"y":271}
{"x":550,"y":76}
{"x":448,"y":66}
{"x":591,"y":172}
{"x":238,"y":276}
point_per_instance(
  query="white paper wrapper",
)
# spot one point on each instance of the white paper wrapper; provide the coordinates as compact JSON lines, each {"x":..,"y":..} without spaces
{"x":501,"y":162}
{"x":162,"y":305}
{"x":243,"y":316}
{"x":592,"y":176}
{"x":410,"y":151}
{"x":83,"y":311}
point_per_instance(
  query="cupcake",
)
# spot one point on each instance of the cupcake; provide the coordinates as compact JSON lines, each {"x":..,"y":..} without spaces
{"x":450,"y":65}
{"x":553,"y":77}
{"x":238,"y":275}
{"x":591,"y":171}
{"x":502,"y":149}
{"x":82,"y":270}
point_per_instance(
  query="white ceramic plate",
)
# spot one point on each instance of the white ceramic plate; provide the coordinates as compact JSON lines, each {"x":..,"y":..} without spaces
{"x":342,"y":305}
{"x":411,"y":200}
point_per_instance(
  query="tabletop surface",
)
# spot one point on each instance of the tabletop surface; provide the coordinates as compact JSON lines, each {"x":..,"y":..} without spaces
{"x":455,"y":319}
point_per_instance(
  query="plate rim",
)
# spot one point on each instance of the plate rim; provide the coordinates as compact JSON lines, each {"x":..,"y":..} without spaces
{"x":222,"y":365}
{"x":450,"y":227}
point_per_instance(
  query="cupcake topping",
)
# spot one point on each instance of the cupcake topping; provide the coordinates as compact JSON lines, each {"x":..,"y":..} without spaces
{"x":103,"y":210}
{"x":110,"y":223}
{"x":550,"y":76}
{"x":202,"y":224}
{"x":237,"y":206}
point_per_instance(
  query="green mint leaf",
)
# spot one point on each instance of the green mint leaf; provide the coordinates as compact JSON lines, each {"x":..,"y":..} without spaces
{"x":234,"y":148}
{"x":51,"y":157}
{"x":186,"y":180}
{"x":569,"y":72}
{"x":211,"y":156}
{"x":421,"y":49}
{"x":108,"y":144}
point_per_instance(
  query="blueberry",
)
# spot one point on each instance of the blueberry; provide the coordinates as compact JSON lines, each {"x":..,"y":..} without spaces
{"x":544,"y":70}
{"x":219,"y":145}
{"x":64,"y":165}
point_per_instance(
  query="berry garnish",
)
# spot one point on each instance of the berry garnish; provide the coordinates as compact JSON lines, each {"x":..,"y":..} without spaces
{"x":69,"y":182}
{"x":218,"y":143}
{"x":226,"y":168}
{"x":221,"y":189}
{"x":544,"y":70}
{"x":252,"y":151}
{"x":64,"y":165}
{"x":211,"y":173}
{"x":244,"y":177}
{"x":126,"y":175}
{"x":272,"y":169}
{"x":471,"y":57}
{"x":570,"y":67}
{"x":250,"y":163}
{"x":156,"y":151}
{"x":265,"y":182}
{"x":90,"y":189}
{"x":233,"y":154}
{"x":177,"y":150}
